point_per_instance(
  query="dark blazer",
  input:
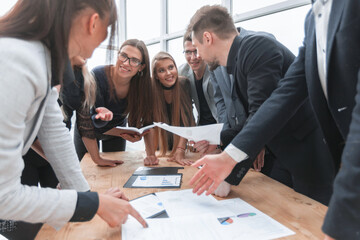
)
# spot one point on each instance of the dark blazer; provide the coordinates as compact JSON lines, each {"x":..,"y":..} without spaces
{"x":258,"y":62}
{"x":334,"y":115}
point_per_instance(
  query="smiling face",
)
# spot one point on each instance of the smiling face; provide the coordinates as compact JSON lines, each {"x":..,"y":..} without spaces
{"x":123,"y":67}
{"x":192,"y":58}
{"x":166,"y":72}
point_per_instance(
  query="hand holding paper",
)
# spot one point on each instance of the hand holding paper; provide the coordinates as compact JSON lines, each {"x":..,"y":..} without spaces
{"x":210,"y":133}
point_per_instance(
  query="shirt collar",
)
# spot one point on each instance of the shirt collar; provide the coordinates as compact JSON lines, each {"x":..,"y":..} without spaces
{"x":232,"y":57}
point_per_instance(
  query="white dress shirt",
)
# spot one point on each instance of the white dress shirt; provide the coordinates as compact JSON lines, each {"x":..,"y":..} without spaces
{"x":321,"y":10}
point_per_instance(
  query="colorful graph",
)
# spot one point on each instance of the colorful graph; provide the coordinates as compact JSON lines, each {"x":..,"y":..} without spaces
{"x":243,"y":215}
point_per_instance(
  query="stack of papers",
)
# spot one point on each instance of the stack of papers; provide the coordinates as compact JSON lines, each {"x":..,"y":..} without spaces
{"x":203,"y":217}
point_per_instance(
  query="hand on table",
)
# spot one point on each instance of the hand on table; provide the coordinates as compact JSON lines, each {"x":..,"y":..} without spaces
{"x":115,"y":211}
{"x":179,"y":157}
{"x":215,"y":169}
{"x":259,"y":161}
{"x":107,"y":163}
{"x":103,"y":114}
{"x":151,"y":160}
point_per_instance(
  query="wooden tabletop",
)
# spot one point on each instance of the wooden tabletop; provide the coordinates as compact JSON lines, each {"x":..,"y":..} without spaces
{"x":301,"y":214}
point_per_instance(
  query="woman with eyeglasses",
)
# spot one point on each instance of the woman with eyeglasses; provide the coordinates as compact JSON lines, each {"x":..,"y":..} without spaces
{"x":172,"y":105}
{"x":125,"y":90}
{"x":37,"y":37}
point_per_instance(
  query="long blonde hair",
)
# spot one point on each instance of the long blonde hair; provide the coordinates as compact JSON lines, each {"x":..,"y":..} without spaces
{"x":89,"y":88}
{"x":181,"y":111}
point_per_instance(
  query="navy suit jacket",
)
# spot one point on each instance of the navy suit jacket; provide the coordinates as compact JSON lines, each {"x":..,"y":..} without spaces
{"x":258,"y":62}
{"x":334,"y":114}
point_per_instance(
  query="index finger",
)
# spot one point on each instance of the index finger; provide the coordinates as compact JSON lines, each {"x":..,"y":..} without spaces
{"x":197,"y":176}
{"x":138,"y":217}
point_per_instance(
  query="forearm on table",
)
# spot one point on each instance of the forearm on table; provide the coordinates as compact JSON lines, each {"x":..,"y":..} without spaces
{"x":92,"y":147}
{"x":149,"y":143}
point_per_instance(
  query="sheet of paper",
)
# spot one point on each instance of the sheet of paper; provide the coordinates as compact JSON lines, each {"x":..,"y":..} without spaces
{"x":180,"y":228}
{"x":247,"y":222}
{"x":148,"y":205}
{"x":192,"y":215}
{"x":157,"y":181}
{"x":185,"y":203}
{"x":209,"y":133}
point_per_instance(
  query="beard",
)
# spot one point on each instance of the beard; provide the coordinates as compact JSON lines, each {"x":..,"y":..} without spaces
{"x":213,"y":65}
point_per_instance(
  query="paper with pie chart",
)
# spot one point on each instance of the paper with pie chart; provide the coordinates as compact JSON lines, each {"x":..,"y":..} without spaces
{"x":204,"y":217}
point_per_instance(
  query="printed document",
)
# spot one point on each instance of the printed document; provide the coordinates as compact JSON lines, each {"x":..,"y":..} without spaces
{"x":210,"y":133}
{"x":203,"y":217}
{"x":157,"y":181}
{"x":148,"y":205}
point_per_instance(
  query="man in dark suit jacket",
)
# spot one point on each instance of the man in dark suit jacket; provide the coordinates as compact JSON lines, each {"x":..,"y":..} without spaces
{"x":257,"y":62}
{"x":329,"y":76}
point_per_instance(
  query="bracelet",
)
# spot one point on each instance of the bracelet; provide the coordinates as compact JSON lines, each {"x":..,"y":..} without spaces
{"x":181,"y":148}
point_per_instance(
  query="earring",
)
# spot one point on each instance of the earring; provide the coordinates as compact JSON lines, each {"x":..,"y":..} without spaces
{"x":140,"y":73}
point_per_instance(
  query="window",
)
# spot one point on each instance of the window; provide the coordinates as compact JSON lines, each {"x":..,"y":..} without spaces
{"x":5,"y":6}
{"x":143,"y":19}
{"x":242,"y":6}
{"x":175,"y":48}
{"x":180,"y":12}
{"x":99,"y":57}
{"x":153,"y":49}
{"x":289,"y":32}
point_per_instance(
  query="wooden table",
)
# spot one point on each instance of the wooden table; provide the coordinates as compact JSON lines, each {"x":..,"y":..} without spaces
{"x":301,"y":214}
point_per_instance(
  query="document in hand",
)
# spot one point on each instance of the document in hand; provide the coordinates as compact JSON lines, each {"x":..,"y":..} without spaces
{"x":116,"y":131}
{"x":210,"y":133}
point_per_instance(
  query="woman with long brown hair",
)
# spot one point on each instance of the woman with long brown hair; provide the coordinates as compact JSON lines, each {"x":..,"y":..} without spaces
{"x":125,"y":90}
{"x":36,"y":39}
{"x":172,"y":105}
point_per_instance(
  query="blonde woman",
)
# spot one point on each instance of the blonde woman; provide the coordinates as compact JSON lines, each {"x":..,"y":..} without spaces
{"x":172,"y":105}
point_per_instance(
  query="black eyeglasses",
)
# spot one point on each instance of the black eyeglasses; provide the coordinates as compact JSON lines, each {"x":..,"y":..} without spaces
{"x":132,"y":61}
{"x":189,"y":53}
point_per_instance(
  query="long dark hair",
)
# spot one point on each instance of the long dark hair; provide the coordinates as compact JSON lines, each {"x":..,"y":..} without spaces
{"x":139,"y":97}
{"x":140,"y":101}
{"x":49,"y":21}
